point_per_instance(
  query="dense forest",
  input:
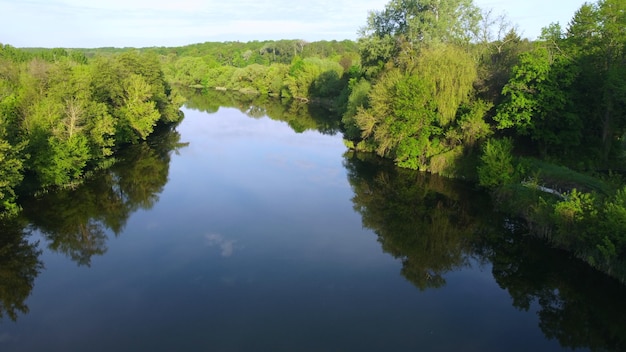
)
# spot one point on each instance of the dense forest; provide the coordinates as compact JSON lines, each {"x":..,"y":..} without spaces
{"x":437,"y":86}
{"x":64,"y":115}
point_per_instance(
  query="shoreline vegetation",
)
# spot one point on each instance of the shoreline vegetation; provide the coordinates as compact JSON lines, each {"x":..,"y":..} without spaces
{"x":64,"y":116}
{"x":437,"y":86}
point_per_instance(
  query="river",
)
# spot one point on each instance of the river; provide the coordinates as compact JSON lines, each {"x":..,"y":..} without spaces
{"x":235,"y":231}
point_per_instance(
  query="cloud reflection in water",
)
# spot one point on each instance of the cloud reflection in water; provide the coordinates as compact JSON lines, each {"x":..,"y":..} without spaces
{"x":226,"y":246}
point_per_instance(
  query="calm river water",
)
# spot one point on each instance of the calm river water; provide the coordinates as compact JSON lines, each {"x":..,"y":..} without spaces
{"x":234,"y":232}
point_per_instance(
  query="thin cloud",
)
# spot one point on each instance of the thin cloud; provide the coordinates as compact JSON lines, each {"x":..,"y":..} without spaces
{"x":73,"y":23}
{"x":139,"y":23}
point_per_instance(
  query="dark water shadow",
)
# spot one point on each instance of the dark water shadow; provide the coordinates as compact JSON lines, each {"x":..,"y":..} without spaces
{"x":434,"y":226}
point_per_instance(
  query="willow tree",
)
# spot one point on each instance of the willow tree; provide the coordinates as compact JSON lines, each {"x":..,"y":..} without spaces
{"x":399,"y":123}
{"x":420,"y":82}
{"x":404,"y":26}
{"x":412,"y":111}
{"x":451,"y":72}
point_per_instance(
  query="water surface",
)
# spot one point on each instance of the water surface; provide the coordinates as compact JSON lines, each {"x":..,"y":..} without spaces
{"x":233,"y":232}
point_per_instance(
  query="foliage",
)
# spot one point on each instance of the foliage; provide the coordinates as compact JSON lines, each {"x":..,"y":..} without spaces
{"x":497,"y":167}
{"x":139,"y":115}
{"x":596,"y":39}
{"x":451,"y":72}
{"x":472,"y":127}
{"x":425,"y":21}
{"x":358,"y":99}
{"x":62,"y":114}
{"x":588,"y":224}
{"x":11,"y":166}
{"x":77,"y":221}
{"x":303,"y":78}
{"x":538,"y":104}
{"x":412,"y":114}
{"x":562,"y":178}
{"x":498,"y":53}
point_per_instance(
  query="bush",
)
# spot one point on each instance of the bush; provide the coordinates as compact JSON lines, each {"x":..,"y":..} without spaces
{"x":496,"y":167}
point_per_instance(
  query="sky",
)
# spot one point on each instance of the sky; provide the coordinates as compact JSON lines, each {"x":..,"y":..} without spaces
{"x":144,"y":23}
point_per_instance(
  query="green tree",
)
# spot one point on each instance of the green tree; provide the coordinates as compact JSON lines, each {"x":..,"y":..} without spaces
{"x":426,"y":21}
{"x":596,"y":39}
{"x":411,"y":110}
{"x":138,"y":115}
{"x":190,"y":71}
{"x":538,"y":102}
{"x":497,"y":59}
{"x":357,"y":99}
{"x":497,"y":167}
{"x":303,"y":74}
{"x":451,"y":73}
{"x":404,"y":26}
{"x":61,"y":114}
{"x":11,"y":166}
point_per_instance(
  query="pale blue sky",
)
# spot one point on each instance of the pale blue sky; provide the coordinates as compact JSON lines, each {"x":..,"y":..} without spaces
{"x":140,"y":23}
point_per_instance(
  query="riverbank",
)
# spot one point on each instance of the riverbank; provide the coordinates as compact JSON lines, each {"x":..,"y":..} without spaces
{"x":581,"y":213}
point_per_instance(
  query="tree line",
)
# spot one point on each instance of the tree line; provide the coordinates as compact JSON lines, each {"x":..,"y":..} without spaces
{"x":288,"y":69}
{"x":285,"y":69}
{"x":449,"y":88}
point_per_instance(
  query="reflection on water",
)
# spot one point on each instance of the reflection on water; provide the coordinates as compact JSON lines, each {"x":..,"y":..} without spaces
{"x":19,"y":266}
{"x":298,"y":115}
{"x":426,"y":221}
{"x":226,"y":246}
{"x":433,"y":225}
{"x":578,"y":306}
{"x":76,"y":221}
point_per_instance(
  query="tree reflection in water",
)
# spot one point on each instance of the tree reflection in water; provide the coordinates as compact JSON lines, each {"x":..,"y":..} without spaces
{"x":577,"y":305}
{"x":19,"y":266}
{"x":434,"y":225}
{"x":424,"y":220}
{"x":76,"y":221}
{"x":298,"y":115}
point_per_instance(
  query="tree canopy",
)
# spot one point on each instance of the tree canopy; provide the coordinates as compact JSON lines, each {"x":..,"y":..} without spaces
{"x":63,"y":115}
